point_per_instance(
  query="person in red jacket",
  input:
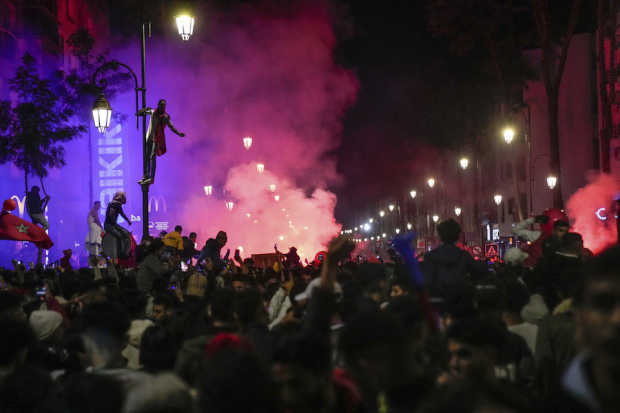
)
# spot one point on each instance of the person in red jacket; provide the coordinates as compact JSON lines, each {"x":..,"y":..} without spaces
{"x":553,"y":222}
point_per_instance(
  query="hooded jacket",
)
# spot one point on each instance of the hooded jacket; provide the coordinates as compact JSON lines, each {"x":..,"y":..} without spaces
{"x":448,"y":264}
{"x":212,"y":250}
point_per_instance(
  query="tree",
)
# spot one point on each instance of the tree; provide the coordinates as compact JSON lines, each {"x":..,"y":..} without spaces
{"x":77,"y":91}
{"x":487,"y":34}
{"x":31,"y":131}
{"x":550,"y":35}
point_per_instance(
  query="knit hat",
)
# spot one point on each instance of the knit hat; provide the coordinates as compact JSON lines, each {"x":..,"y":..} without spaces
{"x":44,"y":323}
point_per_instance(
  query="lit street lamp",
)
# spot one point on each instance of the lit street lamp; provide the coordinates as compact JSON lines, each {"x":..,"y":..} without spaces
{"x":260,"y":168}
{"x":391,"y":207}
{"x":102,"y":112}
{"x":413,"y":194}
{"x":435,"y":218}
{"x":509,"y":134}
{"x":464,"y":162}
{"x":272,"y":187}
{"x":551,"y":181}
{"x":208,"y":190}
{"x":457,"y":211}
{"x":431,"y":182}
{"x":247,"y":143}
{"x":397,"y":231}
{"x":381,"y":214}
{"x":230,"y":205}
{"x":276,"y":197}
{"x":371,"y":220}
{"x":409,"y":226}
{"x":185,"y":24}
{"x":498,"y":199}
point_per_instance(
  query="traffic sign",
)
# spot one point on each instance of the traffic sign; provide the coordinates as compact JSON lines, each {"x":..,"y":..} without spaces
{"x":476,"y":250}
{"x":491,"y":250}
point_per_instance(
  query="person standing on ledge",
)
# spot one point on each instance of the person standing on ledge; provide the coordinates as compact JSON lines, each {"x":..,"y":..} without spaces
{"x":155,"y":138}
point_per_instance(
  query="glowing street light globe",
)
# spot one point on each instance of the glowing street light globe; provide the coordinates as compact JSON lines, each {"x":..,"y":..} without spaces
{"x":371,"y":220}
{"x":381,"y":214}
{"x":509,"y":134}
{"x":409,"y":226}
{"x":272,"y":188}
{"x":498,"y":199}
{"x":397,"y":231}
{"x":551,"y":181}
{"x":260,"y":168}
{"x":247,"y":143}
{"x":384,"y":235}
{"x":391,"y":207}
{"x":464,"y":162}
{"x":276,"y":197}
{"x":102,"y":113}
{"x":185,"y":24}
{"x":435,"y":218}
{"x":413,"y":194}
{"x":230,"y":205}
{"x":208,"y":190}
{"x":457,"y":211}
{"x":431,"y":182}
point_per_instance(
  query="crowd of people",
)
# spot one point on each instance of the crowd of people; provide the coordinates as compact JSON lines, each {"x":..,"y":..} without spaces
{"x":189,"y":330}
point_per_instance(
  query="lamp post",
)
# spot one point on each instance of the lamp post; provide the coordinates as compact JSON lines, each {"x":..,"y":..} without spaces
{"x":102,"y":111}
{"x":247,"y":143}
{"x":464,"y":162}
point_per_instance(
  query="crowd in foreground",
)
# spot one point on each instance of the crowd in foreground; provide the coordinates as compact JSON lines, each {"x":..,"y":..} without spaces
{"x":341,"y":336}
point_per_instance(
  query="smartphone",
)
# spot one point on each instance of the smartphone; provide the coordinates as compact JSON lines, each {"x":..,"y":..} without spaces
{"x":236,"y":253}
{"x":41,"y":292}
{"x":227,"y":255}
{"x":174,"y":286}
{"x":183,"y":266}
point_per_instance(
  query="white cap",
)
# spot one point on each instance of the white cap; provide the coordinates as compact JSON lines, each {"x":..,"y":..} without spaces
{"x":306,"y":295}
{"x":44,"y":323}
{"x":515,"y":256}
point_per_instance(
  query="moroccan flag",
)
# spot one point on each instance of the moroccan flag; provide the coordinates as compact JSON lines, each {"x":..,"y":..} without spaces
{"x":14,"y":228}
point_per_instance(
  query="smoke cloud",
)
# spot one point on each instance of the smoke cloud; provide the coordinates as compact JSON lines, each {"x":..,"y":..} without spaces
{"x":265,"y":75}
{"x":593,"y":211}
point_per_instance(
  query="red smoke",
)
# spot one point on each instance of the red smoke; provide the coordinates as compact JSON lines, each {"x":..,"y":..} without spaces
{"x":582,"y":208}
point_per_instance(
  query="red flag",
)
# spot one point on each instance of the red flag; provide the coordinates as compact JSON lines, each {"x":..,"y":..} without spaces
{"x":14,"y":228}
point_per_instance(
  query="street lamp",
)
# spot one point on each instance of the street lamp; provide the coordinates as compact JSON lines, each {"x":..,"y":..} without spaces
{"x":272,"y":187}
{"x":230,"y":205}
{"x":413,"y":194}
{"x":409,"y":226}
{"x":391,"y":207}
{"x":381,"y":214}
{"x":509,"y":134}
{"x":276,"y":197}
{"x":247,"y":143}
{"x":208,"y":190}
{"x":185,"y":24}
{"x":498,"y":199}
{"x":431,"y":182}
{"x":371,"y":220}
{"x":397,"y":231}
{"x":102,"y":112}
{"x":457,"y":211}
{"x":464,"y":162}
{"x":435,"y":218}
{"x":551,"y":181}
{"x":260,"y":167}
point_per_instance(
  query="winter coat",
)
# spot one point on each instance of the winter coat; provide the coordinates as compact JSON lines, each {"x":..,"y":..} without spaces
{"x":448,"y":264}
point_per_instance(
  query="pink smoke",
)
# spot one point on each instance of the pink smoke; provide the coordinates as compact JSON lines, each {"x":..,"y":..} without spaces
{"x":585,"y":208}
{"x":270,"y":76}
